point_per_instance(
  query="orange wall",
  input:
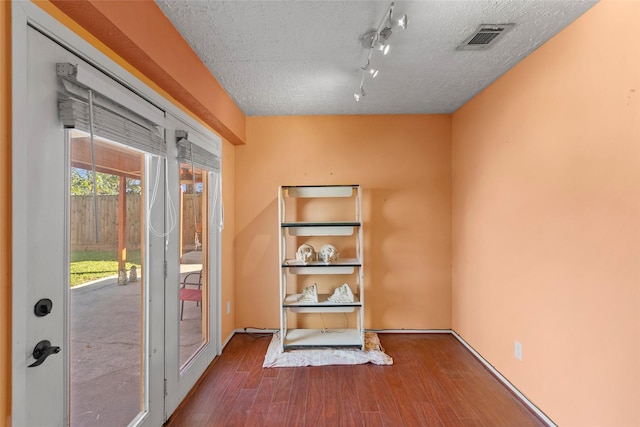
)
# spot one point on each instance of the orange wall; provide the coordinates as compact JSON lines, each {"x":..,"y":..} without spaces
{"x":546,"y":221}
{"x":403,"y":166}
{"x":5,"y":212}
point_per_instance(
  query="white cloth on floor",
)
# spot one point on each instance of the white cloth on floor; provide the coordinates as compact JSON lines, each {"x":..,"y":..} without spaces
{"x":373,"y":353}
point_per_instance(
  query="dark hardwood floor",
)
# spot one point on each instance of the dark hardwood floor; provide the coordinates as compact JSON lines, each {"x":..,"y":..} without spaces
{"x":434,"y":381}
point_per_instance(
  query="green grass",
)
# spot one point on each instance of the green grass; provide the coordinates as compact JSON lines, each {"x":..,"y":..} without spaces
{"x":92,"y":265}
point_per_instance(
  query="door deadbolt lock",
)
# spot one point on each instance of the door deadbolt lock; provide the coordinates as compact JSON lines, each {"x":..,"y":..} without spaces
{"x":43,"y":307}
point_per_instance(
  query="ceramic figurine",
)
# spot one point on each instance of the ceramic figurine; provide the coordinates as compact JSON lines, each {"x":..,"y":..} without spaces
{"x":342,"y":294}
{"x":309,"y":294}
{"x":306,"y":254}
{"x":328,"y":254}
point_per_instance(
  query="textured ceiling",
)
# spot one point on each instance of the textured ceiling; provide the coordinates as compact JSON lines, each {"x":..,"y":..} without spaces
{"x":304,"y":57}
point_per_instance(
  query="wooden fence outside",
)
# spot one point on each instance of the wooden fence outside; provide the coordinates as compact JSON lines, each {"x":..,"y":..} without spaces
{"x":83,"y":230}
{"x":189,"y":221}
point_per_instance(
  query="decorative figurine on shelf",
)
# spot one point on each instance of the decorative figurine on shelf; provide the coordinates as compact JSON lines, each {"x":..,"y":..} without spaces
{"x":328,"y":254}
{"x":342,"y":294}
{"x":309,"y":294}
{"x":306,"y":254}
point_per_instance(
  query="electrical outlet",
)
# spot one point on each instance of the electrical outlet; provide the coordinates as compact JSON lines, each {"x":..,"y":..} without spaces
{"x":517,"y":349}
{"x":228,"y":307}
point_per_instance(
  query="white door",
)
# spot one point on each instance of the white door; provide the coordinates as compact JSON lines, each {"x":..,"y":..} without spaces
{"x":87,"y":351}
{"x":193,"y":254}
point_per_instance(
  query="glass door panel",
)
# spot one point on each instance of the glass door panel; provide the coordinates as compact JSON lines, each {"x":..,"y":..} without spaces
{"x":107,"y":273}
{"x":194,"y":267}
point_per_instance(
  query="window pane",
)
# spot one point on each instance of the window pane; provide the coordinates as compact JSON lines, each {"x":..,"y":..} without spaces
{"x":194,"y":268}
{"x":106,"y":289}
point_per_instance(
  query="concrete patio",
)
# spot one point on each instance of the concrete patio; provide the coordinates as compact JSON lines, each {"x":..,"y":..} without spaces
{"x":106,"y":353}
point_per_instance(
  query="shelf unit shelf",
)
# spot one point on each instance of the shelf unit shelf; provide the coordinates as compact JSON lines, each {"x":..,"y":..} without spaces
{"x":341,"y":266}
{"x":319,"y":190}
{"x":322,"y":306}
{"x":300,"y":338}
{"x":307,"y":227}
{"x":330,"y":228}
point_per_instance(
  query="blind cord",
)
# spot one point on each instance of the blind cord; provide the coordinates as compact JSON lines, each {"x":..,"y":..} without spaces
{"x":93,"y":168}
{"x":217,"y":196}
{"x":170,"y":209}
{"x":193,"y":181}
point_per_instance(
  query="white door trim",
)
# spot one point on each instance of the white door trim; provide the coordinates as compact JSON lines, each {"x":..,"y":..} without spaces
{"x":19,"y":206}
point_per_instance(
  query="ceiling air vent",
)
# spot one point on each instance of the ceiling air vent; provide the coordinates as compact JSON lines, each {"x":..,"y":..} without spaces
{"x":485,"y":36}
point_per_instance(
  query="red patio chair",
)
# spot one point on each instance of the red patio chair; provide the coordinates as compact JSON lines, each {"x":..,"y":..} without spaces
{"x":191,"y":294}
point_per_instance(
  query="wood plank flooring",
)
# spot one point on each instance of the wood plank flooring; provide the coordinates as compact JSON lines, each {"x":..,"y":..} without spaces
{"x":434,"y":381}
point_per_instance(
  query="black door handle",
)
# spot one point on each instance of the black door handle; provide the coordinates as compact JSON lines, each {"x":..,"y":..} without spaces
{"x":41,"y":351}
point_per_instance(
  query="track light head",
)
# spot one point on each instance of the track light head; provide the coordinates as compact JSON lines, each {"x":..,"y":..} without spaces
{"x":398,"y":23}
{"x":359,"y":95}
{"x":382,"y":47}
{"x":373,"y":72}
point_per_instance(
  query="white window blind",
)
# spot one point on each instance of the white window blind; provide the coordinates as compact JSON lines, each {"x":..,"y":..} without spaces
{"x":188,"y":152}
{"x":135,"y":126}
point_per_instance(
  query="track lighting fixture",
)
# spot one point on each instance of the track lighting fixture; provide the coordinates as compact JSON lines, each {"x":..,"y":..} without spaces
{"x":378,"y":41}
{"x":359,"y":95}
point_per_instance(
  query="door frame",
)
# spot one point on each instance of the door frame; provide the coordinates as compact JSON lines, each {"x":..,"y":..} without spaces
{"x":26,"y":14}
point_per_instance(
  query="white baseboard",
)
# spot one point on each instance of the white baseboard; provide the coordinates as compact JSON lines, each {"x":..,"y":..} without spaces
{"x":245,"y":331}
{"x":505,"y":381}
{"x":256,"y":331}
{"x":410,"y":331}
{"x":224,"y":344}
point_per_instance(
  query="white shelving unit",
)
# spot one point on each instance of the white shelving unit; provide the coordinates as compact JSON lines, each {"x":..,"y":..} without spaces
{"x":318,"y":215}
